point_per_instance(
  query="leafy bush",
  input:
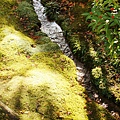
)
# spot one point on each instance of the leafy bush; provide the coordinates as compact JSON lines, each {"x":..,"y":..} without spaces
{"x":104,"y":47}
{"x":105,"y":22}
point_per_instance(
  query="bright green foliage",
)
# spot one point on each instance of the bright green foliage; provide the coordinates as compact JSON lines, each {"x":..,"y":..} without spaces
{"x":98,"y":76}
{"x":105,"y":21}
{"x":75,"y":43}
{"x":97,"y":72}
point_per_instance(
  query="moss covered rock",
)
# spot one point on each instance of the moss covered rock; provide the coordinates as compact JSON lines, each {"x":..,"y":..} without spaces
{"x":38,"y":84}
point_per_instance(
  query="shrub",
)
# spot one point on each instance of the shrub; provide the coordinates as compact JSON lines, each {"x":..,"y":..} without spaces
{"x":104,"y":49}
{"x":105,"y":22}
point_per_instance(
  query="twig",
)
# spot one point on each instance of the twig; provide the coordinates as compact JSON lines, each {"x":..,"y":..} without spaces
{"x":12,"y":114}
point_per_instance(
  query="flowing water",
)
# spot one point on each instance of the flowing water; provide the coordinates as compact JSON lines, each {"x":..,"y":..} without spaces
{"x":52,"y":29}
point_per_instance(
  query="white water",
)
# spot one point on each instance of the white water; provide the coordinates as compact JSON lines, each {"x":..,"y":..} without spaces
{"x":52,"y":29}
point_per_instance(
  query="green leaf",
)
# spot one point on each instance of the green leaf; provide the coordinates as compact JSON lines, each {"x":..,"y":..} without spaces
{"x":105,"y":3}
{"x":99,"y":28}
{"x":93,"y":28}
{"x":116,"y":21}
{"x":109,"y":14}
{"x":95,"y":18}
{"x":85,"y":14}
{"x":113,"y":24}
{"x":106,"y":17}
{"x":107,"y":9}
{"x":108,"y":34}
{"x":88,"y":17}
{"x":91,"y":24}
{"x":103,"y":30}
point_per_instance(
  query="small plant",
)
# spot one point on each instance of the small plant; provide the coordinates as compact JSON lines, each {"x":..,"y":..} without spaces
{"x":75,"y":43}
{"x":97,"y":72}
{"x":52,"y":10}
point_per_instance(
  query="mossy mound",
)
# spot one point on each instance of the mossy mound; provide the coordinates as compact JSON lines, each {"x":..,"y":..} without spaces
{"x":38,"y":84}
{"x":43,"y":94}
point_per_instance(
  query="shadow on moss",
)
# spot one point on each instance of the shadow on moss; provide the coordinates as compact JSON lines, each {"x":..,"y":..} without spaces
{"x":97,"y":111}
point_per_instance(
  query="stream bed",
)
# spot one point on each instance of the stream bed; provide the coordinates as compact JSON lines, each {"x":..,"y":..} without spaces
{"x":52,"y":29}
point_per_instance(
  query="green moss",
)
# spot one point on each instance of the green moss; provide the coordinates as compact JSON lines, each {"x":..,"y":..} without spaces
{"x":41,"y":84}
{"x":27,"y":16}
{"x":97,"y":111}
{"x":43,"y":88}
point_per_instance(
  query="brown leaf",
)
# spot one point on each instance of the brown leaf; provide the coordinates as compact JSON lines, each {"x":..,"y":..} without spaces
{"x":82,"y":5}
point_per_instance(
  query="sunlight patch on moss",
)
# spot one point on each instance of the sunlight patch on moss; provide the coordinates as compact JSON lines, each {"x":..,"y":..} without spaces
{"x":31,"y":116}
{"x":45,"y":88}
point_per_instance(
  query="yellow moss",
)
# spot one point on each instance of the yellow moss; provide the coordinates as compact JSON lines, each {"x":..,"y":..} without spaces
{"x":43,"y":86}
{"x":45,"y":79}
{"x":40,"y":85}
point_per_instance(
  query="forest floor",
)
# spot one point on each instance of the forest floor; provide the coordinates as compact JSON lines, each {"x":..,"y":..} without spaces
{"x":39,"y":84}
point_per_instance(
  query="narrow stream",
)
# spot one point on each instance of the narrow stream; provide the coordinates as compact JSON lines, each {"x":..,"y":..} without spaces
{"x":52,"y":29}
{"x":55,"y":33}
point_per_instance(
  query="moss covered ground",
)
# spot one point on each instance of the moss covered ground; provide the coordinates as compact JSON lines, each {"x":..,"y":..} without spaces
{"x":36,"y":80}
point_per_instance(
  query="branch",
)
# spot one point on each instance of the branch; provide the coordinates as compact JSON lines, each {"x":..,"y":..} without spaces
{"x":12,"y":114}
